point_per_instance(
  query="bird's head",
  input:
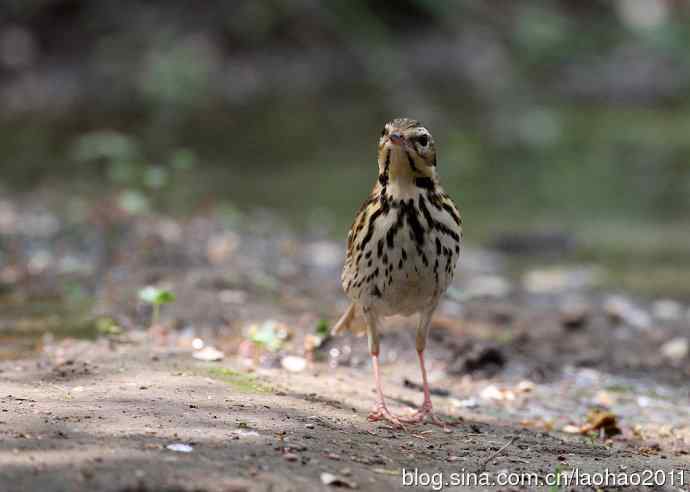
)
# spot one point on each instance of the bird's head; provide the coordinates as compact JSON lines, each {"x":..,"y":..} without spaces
{"x":406,"y":151}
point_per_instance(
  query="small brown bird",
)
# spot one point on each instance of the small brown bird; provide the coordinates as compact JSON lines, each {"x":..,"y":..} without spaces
{"x":401,"y":249}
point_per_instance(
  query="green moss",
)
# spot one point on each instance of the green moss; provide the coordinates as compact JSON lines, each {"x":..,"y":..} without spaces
{"x":239,"y":381}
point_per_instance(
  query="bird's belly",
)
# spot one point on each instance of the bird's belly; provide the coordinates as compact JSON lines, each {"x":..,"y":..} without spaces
{"x":415,"y":283}
{"x":406,"y":296}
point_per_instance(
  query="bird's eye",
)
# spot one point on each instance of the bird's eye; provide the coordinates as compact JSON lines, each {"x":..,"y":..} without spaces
{"x":423,"y":140}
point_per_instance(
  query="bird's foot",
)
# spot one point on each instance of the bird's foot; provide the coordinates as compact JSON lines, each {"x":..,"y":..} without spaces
{"x":381,"y":412}
{"x":425,"y":412}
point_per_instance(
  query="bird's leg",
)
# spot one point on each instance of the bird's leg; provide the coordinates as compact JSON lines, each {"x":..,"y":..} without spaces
{"x":426,"y":410}
{"x":380,"y":411}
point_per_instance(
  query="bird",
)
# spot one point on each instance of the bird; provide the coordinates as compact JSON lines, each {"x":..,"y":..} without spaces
{"x":402,"y":250}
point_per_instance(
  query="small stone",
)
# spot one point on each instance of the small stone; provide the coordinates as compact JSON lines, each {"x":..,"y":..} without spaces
{"x":466,"y":403}
{"x":337,"y":481}
{"x":293,"y":363}
{"x":290,"y":457}
{"x":554,"y":280}
{"x":675,"y":349}
{"x":574,"y":314}
{"x":621,"y":310}
{"x":525,"y":386}
{"x":486,"y":286}
{"x":208,"y":354}
{"x":180,"y":448}
{"x":493,"y":392}
{"x":667,"y":310}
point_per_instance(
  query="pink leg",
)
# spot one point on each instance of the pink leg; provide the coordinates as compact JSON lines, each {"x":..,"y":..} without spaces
{"x":427,"y":409}
{"x":380,"y":411}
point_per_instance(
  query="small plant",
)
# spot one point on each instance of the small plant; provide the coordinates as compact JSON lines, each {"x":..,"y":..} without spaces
{"x":322,"y":330}
{"x":270,"y":335}
{"x":156,"y":297}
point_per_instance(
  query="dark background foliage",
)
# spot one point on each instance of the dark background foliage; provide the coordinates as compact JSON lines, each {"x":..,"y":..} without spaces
{"x":569,"y":116}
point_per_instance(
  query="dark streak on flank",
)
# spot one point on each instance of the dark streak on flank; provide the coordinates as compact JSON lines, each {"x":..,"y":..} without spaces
{"x":445,"y":230}
{"x":390,"y":235}
{"x":384,"y":202}
{"x":360,"y":219}
{"x":436,"y":276}
{"x":453,"y":213}
{"x":435,"y":200}
{"x":375,"y":291}
{"x":425,"y":211}
{"x":370,"y":229}
{"x":379,"y":248}
{"x":433,"y":224}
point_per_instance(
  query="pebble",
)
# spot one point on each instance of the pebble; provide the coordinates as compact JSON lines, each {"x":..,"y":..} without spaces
{"x":574,"y":313}
{"x":486,"y":286}
{"x":293,"y":363}
{"x":337,"y":481}
{"x":180,"y":448}
{"x":492,"y":392}
{"x":466,"y":403}
{"x":667,"y":310}
{"x":675,"y":349}
{"x":208,"y":354}
{"x":554,"y":280}
{"x":620,"y":309}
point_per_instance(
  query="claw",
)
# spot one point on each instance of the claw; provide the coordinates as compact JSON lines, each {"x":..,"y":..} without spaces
{"x":380,"y":412}
{"x":425,"y":412}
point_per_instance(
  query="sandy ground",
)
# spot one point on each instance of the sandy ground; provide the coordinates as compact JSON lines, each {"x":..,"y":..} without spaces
{"x":104,"y":421}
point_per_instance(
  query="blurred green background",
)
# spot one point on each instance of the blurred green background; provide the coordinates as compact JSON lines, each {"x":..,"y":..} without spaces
{"x":566,"y":119}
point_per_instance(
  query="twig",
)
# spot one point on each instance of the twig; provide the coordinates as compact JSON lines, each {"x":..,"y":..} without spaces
{"x":496,"y":453}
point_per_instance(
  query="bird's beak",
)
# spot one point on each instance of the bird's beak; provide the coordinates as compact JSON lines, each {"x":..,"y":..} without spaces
{"x":396,"y":138}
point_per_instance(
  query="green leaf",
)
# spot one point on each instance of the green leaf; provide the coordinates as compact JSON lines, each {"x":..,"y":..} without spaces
{"x":322,"y":328}
{"x":154,"y":295}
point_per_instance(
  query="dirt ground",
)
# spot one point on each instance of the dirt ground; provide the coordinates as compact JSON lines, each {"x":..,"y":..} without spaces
{"x":104,"y":418}
{"x":104,"y":421}
{"x":536,"y":373}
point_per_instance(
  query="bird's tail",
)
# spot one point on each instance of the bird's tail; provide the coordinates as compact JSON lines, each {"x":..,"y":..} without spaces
{"x":347,"y":322}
